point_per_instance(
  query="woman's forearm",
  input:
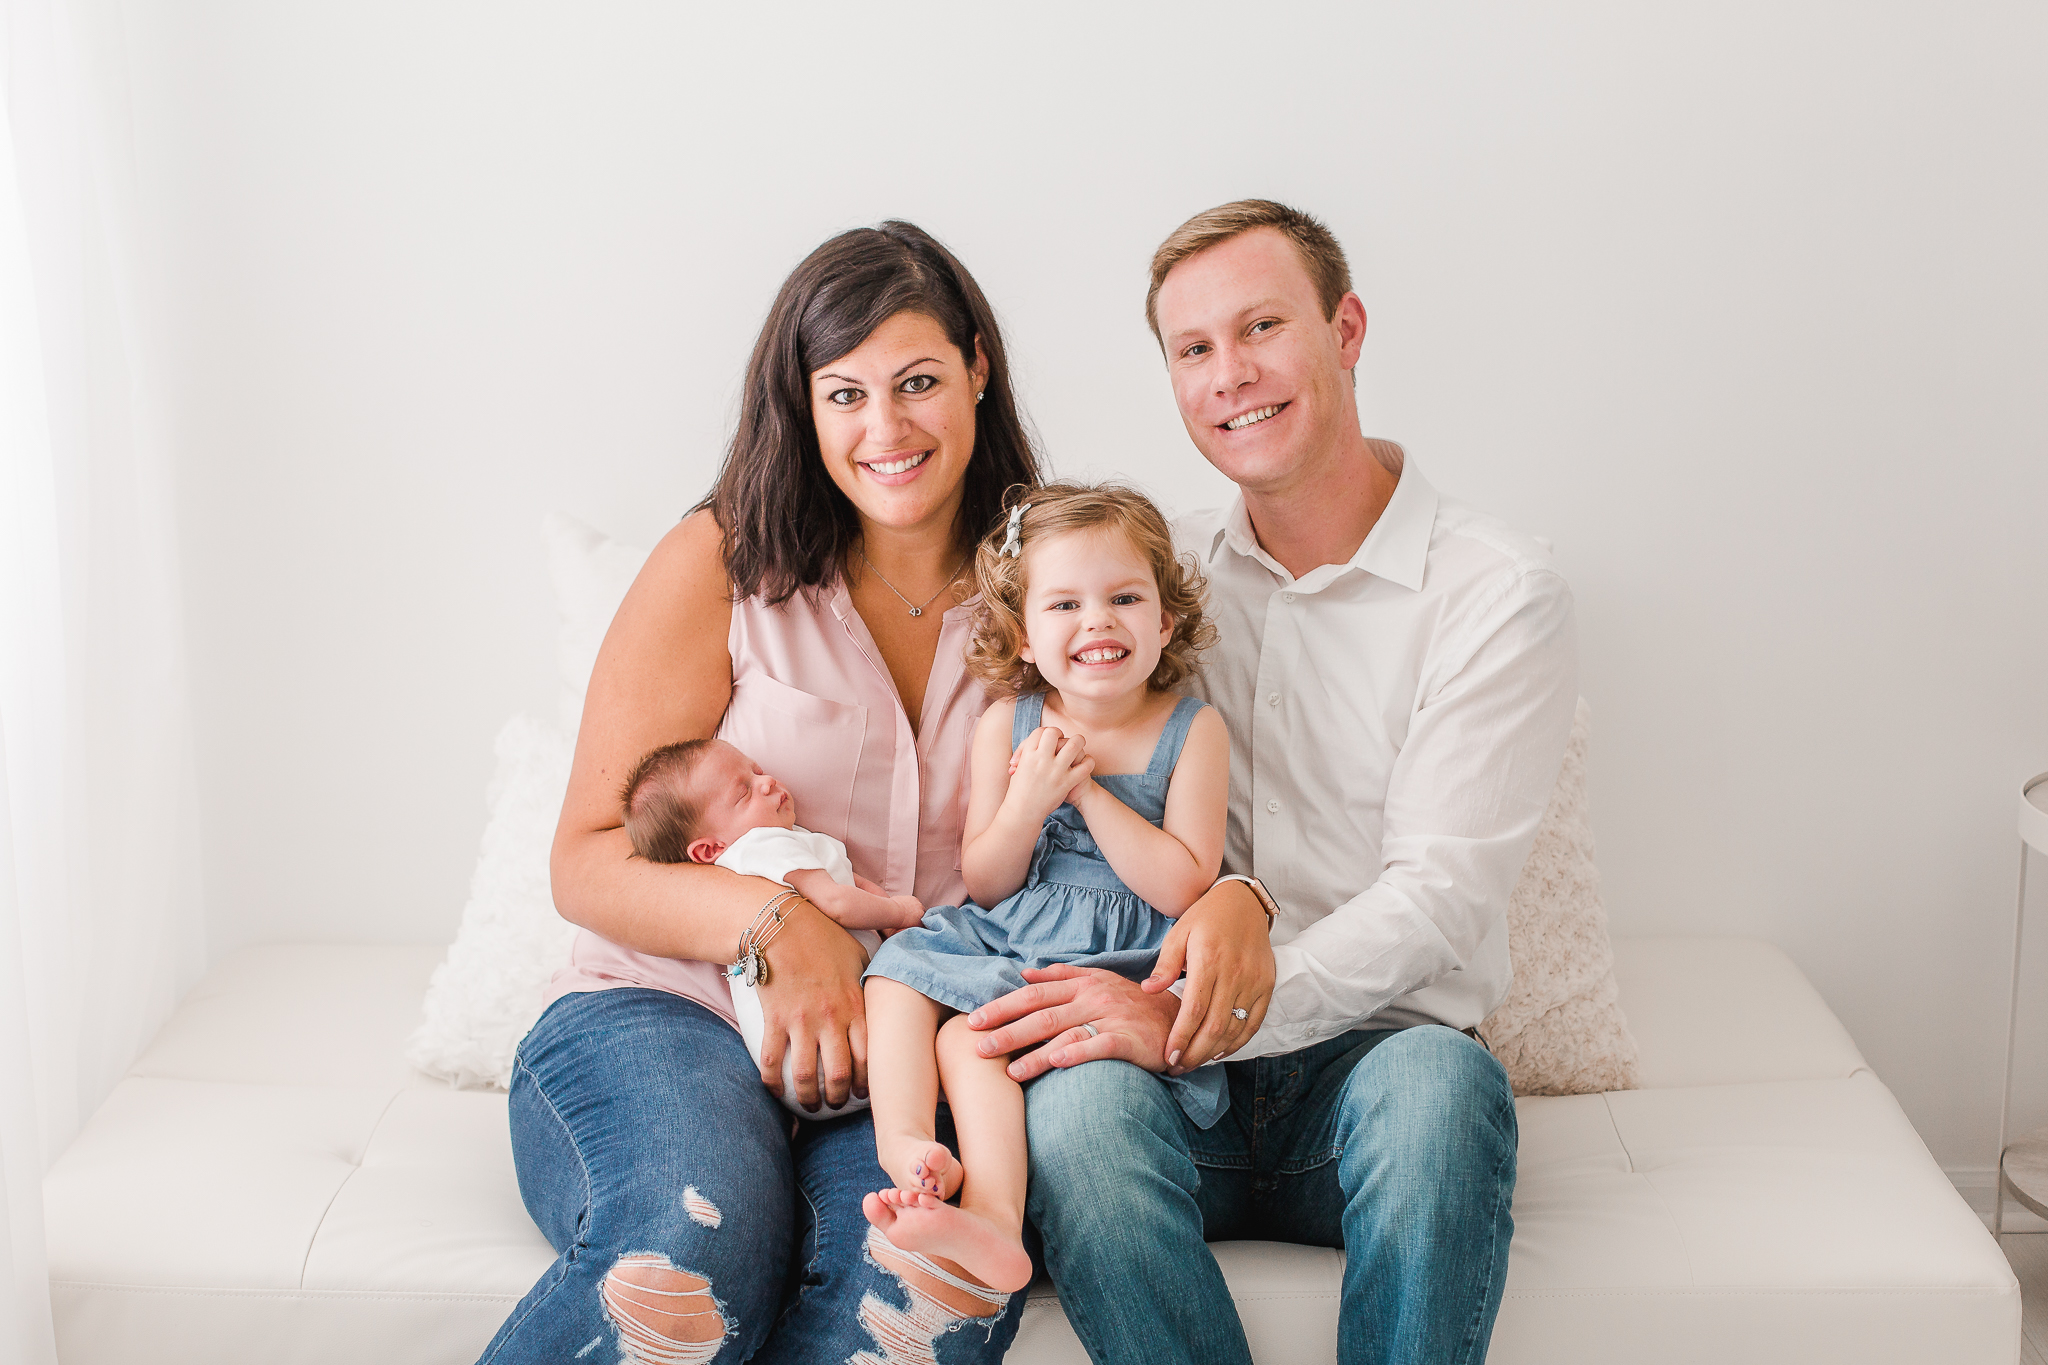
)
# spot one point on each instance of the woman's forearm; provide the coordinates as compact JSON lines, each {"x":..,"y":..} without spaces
{"x":680,"y":910}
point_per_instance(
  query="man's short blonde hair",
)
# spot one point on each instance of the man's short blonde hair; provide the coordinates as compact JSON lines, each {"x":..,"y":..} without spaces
{"x":1320,"y":254}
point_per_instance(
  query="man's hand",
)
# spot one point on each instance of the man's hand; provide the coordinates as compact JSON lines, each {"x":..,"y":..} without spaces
{"x":1131,"y":1024}
{"x":1225,"y":944}
{"x":1226,"y":947}
{"x":812,"y":1009}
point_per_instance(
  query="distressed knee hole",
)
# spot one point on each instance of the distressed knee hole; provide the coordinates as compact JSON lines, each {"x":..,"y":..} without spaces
{"x":664,"y":1316}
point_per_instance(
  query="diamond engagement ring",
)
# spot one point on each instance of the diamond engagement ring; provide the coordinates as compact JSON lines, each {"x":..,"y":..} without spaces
{"x":1240,"y":1013}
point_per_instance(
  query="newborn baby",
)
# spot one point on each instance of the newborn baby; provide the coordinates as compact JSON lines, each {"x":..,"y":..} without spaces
{"x":703,"y":801}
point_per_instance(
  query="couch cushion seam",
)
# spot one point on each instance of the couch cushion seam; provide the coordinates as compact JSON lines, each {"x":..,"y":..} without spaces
{"x":1677,"y":1227}
{"x":354,"y":1167}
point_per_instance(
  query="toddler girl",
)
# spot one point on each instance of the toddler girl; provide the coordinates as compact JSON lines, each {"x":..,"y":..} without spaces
{"x":1095,"y":815}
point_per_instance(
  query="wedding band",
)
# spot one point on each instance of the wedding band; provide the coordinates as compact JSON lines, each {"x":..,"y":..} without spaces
{"x":1092,"y":1030}
{"x":1240,"y":1013}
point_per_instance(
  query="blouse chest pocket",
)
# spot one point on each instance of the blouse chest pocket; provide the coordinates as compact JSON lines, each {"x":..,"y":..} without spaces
{"x":811,"y":743}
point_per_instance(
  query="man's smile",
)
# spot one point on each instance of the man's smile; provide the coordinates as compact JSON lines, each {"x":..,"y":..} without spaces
{"x":1252,"y":418}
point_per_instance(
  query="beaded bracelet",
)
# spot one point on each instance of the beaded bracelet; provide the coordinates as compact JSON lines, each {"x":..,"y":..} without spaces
{"x":751,"y":967}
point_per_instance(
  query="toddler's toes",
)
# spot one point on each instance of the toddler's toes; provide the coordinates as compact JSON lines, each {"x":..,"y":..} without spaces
{"x":936,"y":1171}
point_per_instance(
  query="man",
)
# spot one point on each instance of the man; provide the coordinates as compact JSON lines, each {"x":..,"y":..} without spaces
{"x":1398,"y":673}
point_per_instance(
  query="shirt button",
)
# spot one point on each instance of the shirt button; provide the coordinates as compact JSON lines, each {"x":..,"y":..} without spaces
{"x":1272,"y":699}
{"x":1286,"y":597}
{"x":1273,"y":807}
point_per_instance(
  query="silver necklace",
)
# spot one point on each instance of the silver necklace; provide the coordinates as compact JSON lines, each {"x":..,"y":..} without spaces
{"x":916,"y":609}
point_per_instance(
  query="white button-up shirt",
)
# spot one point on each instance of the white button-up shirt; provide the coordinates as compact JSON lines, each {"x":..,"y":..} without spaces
{"x":1397,"y":724}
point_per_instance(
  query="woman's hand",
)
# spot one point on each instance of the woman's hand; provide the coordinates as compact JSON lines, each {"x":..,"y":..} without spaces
{"x":1225,"y":944}
{"x":1045,"y":770}
{"x":812,"y":1010}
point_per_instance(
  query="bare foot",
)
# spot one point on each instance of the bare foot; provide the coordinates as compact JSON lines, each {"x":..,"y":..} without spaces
{"x":919,"y":1164}
{"x":982,"y":1251}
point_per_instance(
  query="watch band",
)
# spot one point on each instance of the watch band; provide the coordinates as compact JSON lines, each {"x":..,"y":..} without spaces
{"x":1258,"y":887}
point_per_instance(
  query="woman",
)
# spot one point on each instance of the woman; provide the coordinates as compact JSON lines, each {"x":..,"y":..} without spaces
{"x":814,"y":611}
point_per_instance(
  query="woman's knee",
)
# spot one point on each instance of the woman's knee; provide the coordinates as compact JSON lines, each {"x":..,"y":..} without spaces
{"x":683,"y":1265}
{"x":669,"y":1206}
{"x":662,"y":1314}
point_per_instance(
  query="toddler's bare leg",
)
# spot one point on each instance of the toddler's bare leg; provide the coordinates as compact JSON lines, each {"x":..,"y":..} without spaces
{"x":983,"y":1238}
{"x":903,"y":1086}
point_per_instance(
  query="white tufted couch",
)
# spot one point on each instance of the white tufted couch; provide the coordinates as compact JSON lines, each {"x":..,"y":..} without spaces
{"x":272,"y":1183}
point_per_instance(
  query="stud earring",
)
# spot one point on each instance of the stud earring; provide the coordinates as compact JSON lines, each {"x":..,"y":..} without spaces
{"x":980,"y":395}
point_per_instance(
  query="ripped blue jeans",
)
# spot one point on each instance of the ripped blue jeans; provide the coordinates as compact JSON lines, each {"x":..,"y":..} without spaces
{"x":691,"y":1224}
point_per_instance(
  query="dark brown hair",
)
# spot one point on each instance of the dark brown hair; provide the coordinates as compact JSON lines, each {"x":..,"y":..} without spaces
{"x":1320,"y":254}
{"x":786,"y":525}
{"x":660,"y":817}
{"x":995,"y":656}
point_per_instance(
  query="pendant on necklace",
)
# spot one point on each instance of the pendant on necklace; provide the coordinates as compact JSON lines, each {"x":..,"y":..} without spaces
{"x":917,"y":611}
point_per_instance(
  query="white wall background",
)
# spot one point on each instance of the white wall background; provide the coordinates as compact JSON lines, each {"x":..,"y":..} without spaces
{"x":1741,"y":304}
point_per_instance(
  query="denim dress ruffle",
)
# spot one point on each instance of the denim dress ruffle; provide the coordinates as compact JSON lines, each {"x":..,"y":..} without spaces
{"x":1072,"y":908}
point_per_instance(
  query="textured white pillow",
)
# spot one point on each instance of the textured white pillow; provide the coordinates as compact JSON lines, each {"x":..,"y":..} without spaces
{"x":1561,"y":1031}
{"x":487,"y":993}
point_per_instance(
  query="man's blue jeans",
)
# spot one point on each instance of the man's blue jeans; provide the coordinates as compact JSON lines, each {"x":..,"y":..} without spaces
{"x":1398,"y":1146}
{"x":648,"y":1147}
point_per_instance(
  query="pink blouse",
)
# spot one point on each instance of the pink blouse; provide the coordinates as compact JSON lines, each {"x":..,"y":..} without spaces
{"x":813,"y":704}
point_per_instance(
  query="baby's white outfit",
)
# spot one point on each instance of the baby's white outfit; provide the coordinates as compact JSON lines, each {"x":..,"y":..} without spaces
{"x":774,"y":853}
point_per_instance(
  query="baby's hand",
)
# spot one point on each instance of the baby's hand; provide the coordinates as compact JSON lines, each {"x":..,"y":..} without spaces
{"x":1046,"y":769}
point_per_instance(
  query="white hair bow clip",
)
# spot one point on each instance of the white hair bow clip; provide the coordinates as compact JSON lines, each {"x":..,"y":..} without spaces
{"x":1013,"y":545}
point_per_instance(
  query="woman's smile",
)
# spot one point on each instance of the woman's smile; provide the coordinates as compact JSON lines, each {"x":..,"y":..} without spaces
{"x":893,"y":469}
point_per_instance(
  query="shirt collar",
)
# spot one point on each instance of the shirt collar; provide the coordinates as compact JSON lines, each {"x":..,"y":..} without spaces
{"x":1396,"y":549}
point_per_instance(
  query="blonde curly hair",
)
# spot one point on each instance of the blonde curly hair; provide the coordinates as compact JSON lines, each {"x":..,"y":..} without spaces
{"x":1055,"y":509}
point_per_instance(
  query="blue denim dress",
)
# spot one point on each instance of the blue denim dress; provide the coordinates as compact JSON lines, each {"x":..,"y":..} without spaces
{"x":1072,"y":908}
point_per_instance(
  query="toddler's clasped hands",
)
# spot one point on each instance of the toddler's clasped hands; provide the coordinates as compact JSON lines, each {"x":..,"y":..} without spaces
{"x":1047,"y":770}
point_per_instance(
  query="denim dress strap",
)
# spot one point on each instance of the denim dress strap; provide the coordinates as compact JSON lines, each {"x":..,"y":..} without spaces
{"x":1029,"y":715}
{"x":1166,"y":752}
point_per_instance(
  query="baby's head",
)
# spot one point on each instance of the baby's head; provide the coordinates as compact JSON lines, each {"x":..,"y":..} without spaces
{"x":686,"y":803}
{"x":1089,"y":596}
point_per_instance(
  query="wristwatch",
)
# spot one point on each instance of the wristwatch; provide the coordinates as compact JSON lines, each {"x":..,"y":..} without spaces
{"x":1258,"y":887}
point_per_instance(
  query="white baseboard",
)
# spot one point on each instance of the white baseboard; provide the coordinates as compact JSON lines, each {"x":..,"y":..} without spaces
{"x":1975,"y":1184}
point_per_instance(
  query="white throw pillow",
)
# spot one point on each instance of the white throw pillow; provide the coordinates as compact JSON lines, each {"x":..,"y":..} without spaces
{"x":1561,"y":1030}
{"x":487,"y":993}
